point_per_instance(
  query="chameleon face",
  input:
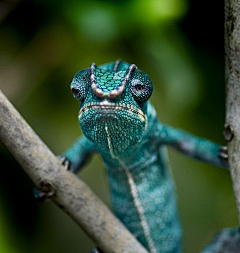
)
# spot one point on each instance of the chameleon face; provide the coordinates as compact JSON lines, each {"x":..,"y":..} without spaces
{"x":111,"y":116}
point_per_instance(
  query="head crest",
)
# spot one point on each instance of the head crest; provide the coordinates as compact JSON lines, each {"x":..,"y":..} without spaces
{"x":114,"y":93}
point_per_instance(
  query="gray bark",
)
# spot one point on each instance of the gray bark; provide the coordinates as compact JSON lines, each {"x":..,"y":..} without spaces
{"x":232,"y":127}
{"x":64,"y":188}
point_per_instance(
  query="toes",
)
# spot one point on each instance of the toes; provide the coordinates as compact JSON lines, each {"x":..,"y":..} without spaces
{"x":39,"y":195}
{"x":96,"y":250}
{"x":223,"y":153}
{"x":66,"y":163}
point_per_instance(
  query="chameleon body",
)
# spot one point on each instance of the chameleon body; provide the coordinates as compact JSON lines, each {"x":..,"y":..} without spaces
{"x":121,"y":125}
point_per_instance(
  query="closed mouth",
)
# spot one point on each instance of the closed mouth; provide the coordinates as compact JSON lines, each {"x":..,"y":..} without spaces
{"x":105,"y":105}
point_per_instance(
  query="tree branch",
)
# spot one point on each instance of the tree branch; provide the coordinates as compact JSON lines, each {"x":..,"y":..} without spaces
{"x":65,"y":189}
{"x":232,"y":127}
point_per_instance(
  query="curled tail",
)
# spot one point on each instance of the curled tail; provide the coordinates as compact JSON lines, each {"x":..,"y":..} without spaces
{"x":226,"y":241}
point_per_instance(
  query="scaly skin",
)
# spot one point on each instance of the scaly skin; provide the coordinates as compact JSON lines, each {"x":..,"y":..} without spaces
{"x":121,"y":125}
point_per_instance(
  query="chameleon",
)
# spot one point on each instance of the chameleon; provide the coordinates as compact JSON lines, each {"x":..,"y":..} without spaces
{"x":120,"y":124}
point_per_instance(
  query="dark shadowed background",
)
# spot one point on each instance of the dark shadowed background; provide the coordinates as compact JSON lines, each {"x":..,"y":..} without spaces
{"x":179,"y":43}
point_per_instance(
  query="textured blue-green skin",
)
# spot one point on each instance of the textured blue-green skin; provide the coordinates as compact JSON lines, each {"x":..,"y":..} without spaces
{"x":133,"y":149}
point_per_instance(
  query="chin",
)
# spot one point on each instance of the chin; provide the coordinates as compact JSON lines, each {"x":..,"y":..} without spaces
{"x":114,"y":128}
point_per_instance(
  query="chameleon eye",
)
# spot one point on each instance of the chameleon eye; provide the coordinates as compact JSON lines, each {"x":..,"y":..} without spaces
{"x":139,"y":87}
{"x":80,"y":85}
{"x":75,"y":91}
{"x":141,"y":92}
{"x":79,"y":90}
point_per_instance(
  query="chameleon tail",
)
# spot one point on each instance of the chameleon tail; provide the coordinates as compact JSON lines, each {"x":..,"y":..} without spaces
{"x":226,"y":241}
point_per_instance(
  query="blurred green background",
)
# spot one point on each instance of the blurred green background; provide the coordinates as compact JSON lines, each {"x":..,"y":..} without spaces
{"x":179,"y":43}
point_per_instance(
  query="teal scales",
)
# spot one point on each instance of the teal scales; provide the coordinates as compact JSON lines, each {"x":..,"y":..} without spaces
{"x":110,"y":81}
{"x":121,"y":125}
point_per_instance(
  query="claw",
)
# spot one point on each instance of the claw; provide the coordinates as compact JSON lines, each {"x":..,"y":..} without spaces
{"x":96,"y":250}
{"x":46,"y":192}
{"x":67,"y":164}
{"x":39,"y":195}
{"x":223,"y":153}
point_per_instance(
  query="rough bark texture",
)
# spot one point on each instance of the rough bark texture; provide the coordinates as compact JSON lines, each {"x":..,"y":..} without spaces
{"x":65,"y":189}
{"x":232,"y":127}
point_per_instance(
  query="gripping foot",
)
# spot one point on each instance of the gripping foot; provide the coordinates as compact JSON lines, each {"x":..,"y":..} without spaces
{"x":66,"y":163}
{"x":46,"y":190}
{"x":96,"y":250}
{"x":226,"y":241}
{"x":223,"y":153}
{"x":39,"y":195}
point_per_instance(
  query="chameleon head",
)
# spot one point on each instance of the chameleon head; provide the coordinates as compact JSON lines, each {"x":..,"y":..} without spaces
{"x":113,"y":104}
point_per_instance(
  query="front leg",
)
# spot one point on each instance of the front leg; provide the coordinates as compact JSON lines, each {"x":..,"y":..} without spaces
{"x":78,"y":154}
{"x":193,"y":146}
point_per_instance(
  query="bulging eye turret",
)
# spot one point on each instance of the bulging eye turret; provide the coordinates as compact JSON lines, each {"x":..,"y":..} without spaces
{"x":80,"y":84}
{"x":75,"y":91}
{"x":141,"y":88}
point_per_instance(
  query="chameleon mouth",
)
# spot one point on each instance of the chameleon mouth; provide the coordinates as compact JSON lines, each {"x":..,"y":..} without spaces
{"x":115,"y":126}
{"x":106,"y":107}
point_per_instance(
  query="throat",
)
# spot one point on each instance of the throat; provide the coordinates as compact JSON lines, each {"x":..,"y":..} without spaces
{"x":110,"y":144}
{"x":134,"y":193}
{"x":115,"y":155}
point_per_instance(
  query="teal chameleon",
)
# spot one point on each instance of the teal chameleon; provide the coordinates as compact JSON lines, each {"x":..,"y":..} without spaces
{"x":120,"y":124}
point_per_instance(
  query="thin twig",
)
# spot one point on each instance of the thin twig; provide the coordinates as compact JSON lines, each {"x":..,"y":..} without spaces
{"x":65,"y":189}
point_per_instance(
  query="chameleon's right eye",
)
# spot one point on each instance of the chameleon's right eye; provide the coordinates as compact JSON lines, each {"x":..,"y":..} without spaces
{"x":79,"y":90}
{"x":80,"y":84}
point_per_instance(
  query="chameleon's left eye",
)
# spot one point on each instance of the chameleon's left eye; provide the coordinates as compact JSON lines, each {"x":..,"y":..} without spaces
{"x":141,"y":91}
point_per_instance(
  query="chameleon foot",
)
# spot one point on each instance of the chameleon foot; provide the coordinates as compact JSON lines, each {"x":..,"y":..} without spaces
{"x":39,"y":195}
{"x":223,"y":154}
{"x":227,"y":241}
{"x":96,"y":250}
{"x":46,"y":192}
{"x":66,"y":163}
